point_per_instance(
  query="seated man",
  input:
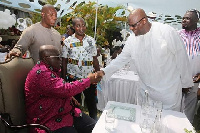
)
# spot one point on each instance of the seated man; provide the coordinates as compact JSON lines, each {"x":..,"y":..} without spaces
{"x":48,"y":97}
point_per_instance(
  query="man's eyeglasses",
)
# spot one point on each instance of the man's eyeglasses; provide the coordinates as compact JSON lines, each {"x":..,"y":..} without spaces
{"x":54,"y":56}
{"x":134,"y":25}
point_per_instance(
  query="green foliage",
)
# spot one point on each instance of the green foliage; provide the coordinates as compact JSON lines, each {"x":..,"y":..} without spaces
{"x":61,"y":29}
{"x":52,"y":2}
{"x":107,"y":21}
{"x":188,"y":131}
{"x":35,"y":17}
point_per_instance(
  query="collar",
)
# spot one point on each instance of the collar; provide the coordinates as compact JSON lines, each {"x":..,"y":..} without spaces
{"x":192,"y":31}
{"x":78,"y":39}
{"x":48,"y":66}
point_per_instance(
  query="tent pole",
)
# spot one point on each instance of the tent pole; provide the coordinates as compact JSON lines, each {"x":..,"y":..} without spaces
{"x":95,"y":30}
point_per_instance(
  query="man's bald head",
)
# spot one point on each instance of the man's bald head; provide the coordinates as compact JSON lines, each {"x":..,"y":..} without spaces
{"x":49,"y":16}
{"x":74,"y":20}
{"x":47,"y":50}
{"x":137,"y":13}
{"x":79,"y":26}
{"x":46,"y":7}
{"x":50,"y":55}
{"x":138,"y":22}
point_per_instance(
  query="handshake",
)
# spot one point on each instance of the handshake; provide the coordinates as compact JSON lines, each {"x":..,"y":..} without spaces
{"x":96,"y":77}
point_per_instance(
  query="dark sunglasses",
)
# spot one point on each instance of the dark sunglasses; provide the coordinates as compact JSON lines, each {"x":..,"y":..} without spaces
{"x":134,"y":25}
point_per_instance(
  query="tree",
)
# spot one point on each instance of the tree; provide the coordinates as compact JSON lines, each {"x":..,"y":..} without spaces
{"x":107,"y":21}
{"x":108,"y":24}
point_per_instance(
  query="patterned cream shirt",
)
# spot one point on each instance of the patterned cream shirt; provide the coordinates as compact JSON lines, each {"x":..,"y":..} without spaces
{"x":80,"y":55}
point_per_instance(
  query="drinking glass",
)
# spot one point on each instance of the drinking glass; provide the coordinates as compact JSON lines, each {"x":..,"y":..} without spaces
{"x":158,"y":105}
{"x":145,"y":107}
{"x":109,"y":122}
{"x":156,"y":128}
{"x":145,"y":126}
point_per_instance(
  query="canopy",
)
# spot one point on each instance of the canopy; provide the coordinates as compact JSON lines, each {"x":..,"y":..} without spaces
{"x":168,"y":11}
{"x":169,"y":7}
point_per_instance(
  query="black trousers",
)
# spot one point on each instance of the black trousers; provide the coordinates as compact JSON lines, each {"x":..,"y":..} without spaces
{"x":83,"y":124}
{"x":90,"y":99}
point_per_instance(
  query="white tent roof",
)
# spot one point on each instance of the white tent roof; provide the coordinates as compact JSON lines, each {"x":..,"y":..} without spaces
{"x":160,"y":7}
{"x":22,"y":4}
{"x":31,"y":5}
{"x":169,"y":7}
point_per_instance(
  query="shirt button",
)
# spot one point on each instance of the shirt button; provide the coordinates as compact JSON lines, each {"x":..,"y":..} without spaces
{"x":40,"y":107}
{"x":58,"y":119}
{"x":61,"y":109}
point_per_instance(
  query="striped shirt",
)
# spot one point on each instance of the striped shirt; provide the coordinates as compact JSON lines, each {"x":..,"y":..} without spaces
{"x":191,"y":40}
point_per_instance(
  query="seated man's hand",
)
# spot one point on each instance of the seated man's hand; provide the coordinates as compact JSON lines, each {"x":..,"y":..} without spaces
{"x":93,"y":78}
{"x":12,"y":53}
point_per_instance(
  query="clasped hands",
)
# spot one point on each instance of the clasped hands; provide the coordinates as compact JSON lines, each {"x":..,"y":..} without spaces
{"x":96,"y":77}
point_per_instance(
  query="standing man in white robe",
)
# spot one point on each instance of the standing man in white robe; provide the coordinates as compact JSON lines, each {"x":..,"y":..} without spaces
{"x":160,"y":59}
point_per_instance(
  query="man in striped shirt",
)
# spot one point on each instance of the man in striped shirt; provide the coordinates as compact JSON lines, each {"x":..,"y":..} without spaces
{"x":191,"y":38}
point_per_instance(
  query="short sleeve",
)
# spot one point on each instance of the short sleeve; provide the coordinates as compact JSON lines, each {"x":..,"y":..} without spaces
{"x":94,"y":48}
{"x":64,"y":50}
{"x":90,"y":46}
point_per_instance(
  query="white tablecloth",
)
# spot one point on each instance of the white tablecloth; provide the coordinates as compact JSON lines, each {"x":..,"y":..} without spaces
{"x":3,"y":56}
{"x":121,"y":87}
{"x":172,"y":121}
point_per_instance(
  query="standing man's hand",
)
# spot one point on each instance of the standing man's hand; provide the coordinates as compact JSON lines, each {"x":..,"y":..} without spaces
{"x":13,"y":53}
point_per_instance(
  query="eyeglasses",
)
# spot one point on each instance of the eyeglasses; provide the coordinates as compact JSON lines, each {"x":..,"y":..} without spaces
{"x":52,"y":56}
{"x":134,"y":25}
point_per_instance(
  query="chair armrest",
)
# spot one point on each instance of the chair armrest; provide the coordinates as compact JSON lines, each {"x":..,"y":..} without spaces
{"x":6,"y":121}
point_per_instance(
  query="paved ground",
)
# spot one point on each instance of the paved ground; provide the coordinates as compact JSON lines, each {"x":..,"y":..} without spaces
{"x":196,"y":123}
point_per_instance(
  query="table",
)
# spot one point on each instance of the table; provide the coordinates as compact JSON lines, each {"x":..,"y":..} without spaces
{"x":121,"y":87}
{"x":172,"y":121}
